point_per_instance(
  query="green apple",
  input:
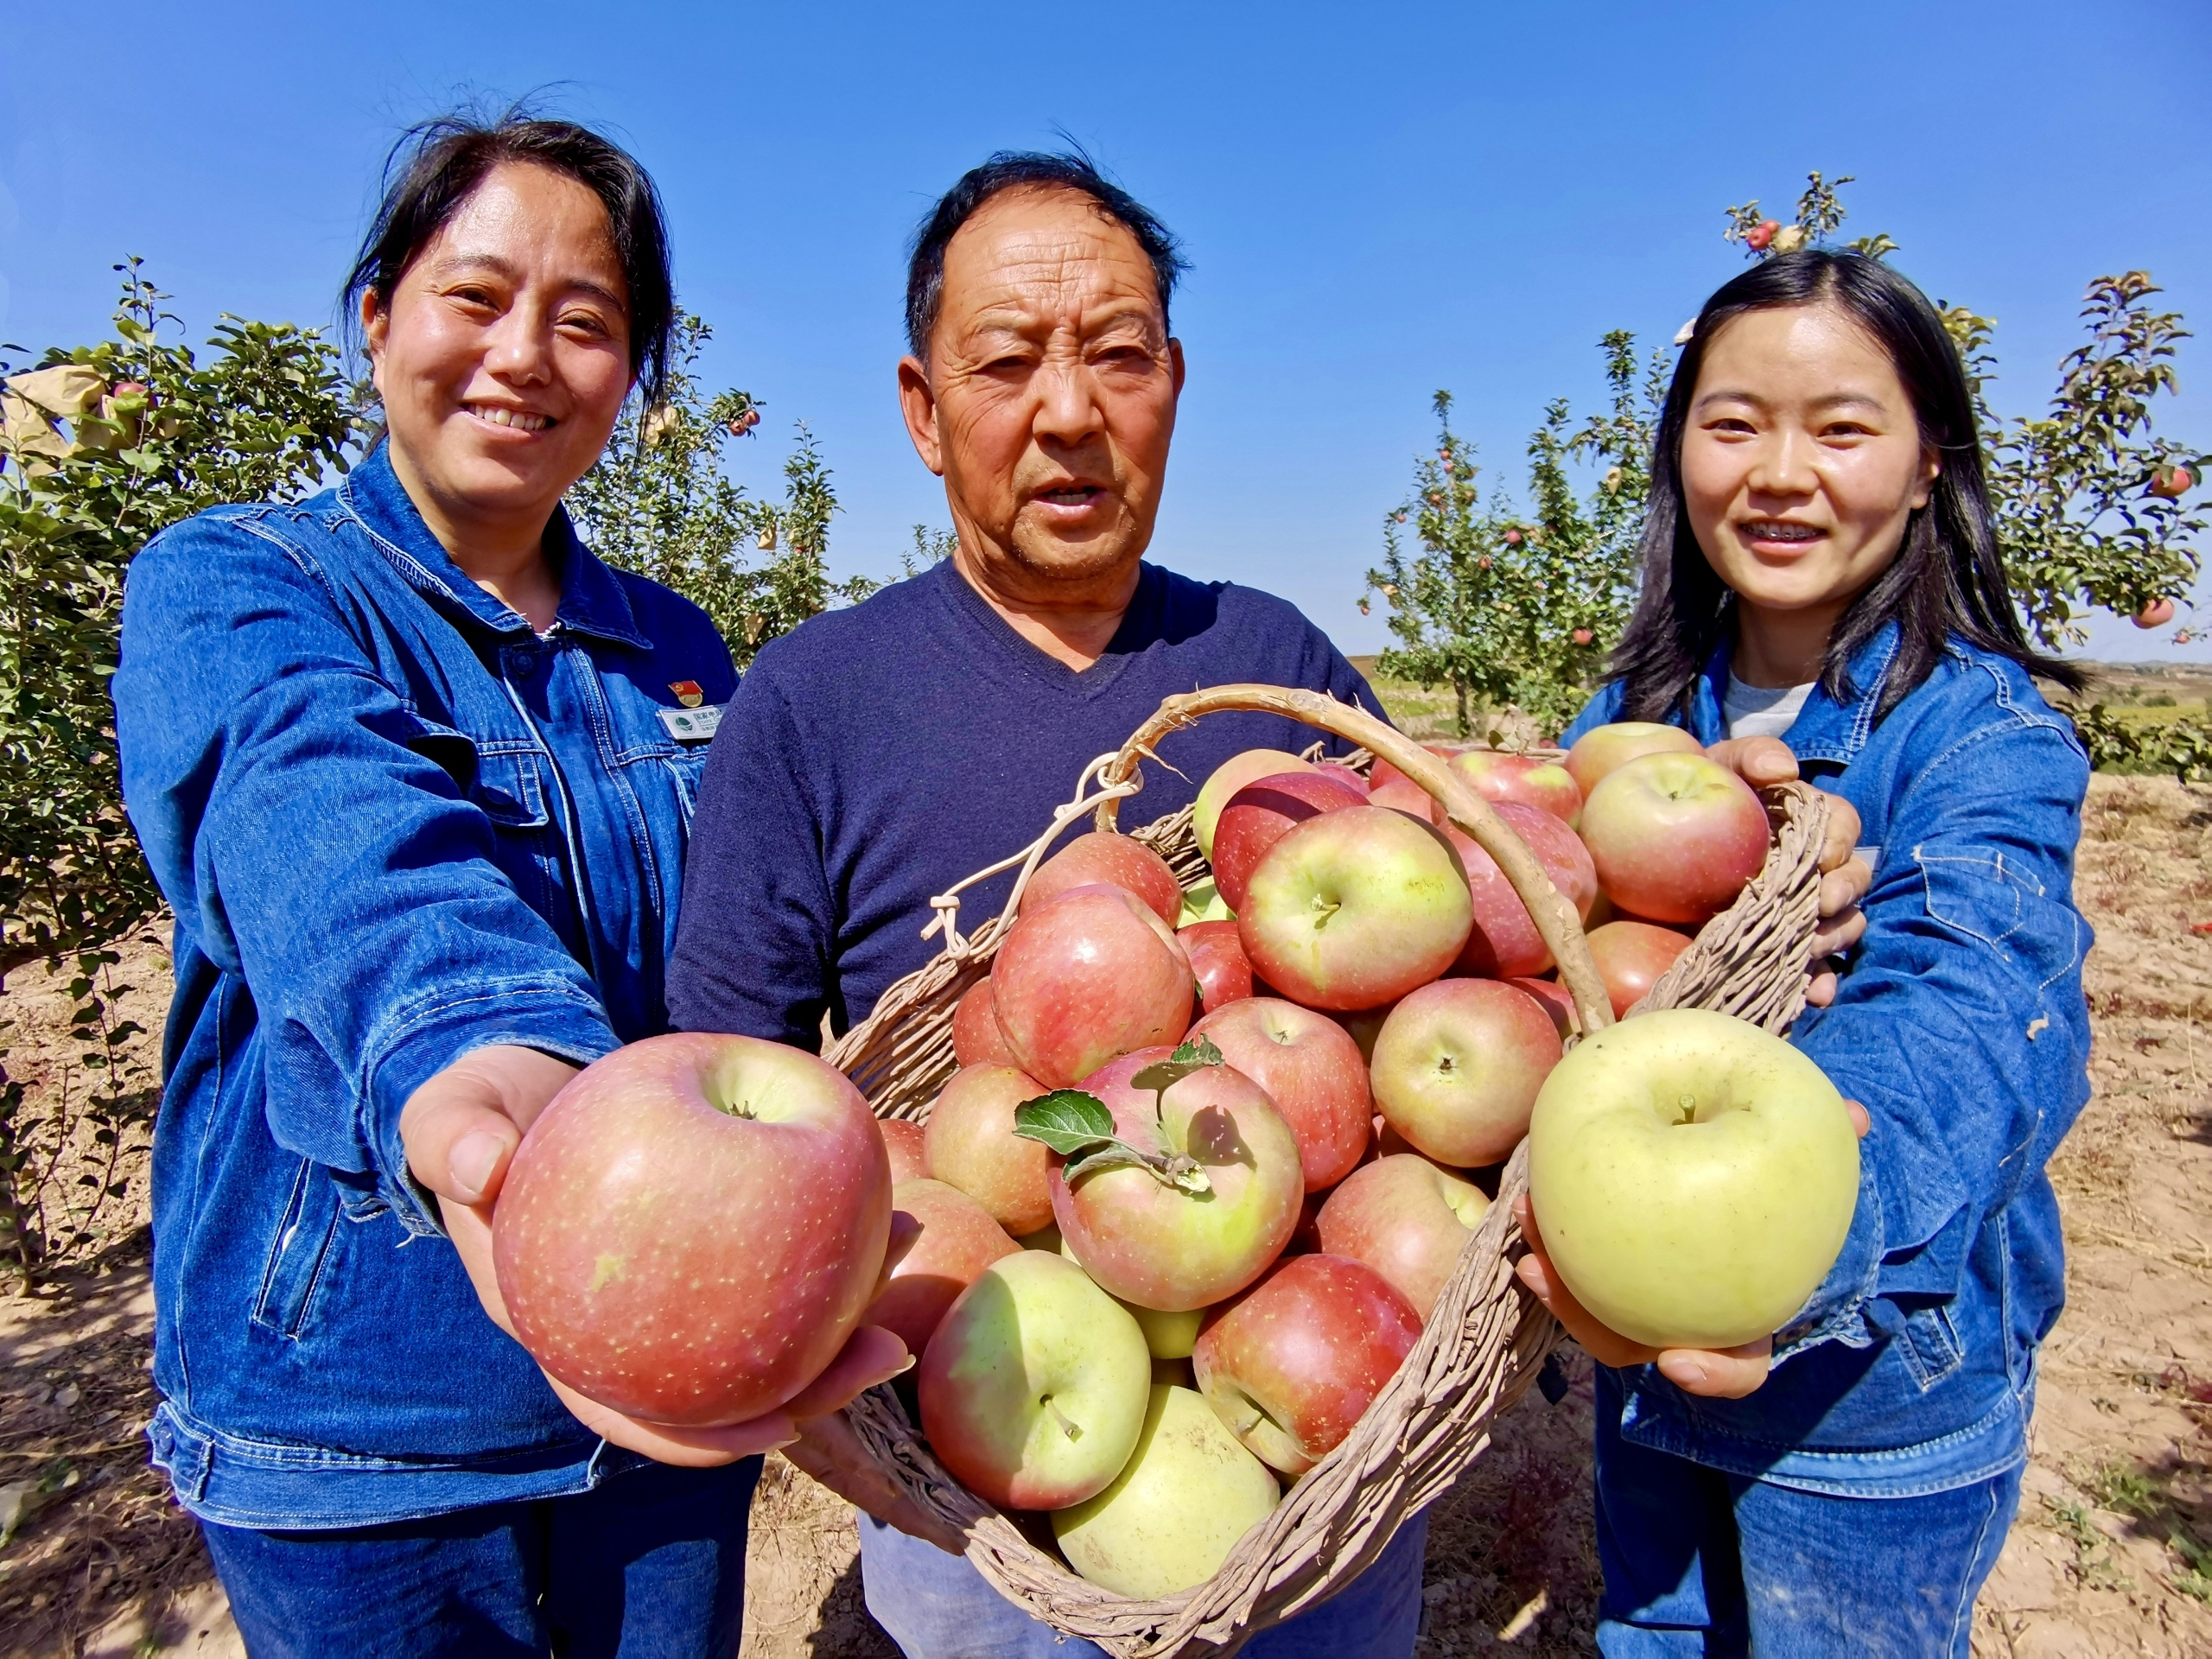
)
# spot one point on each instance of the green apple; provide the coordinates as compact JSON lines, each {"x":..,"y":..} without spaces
{"x":1693,"y":1176}
{"x":1187,"y":1494}
{"x":1033,"y":1390}
{"x":1204,"y":903}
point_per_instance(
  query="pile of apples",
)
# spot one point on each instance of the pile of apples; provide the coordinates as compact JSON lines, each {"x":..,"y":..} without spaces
{"x":1211,"y":1159}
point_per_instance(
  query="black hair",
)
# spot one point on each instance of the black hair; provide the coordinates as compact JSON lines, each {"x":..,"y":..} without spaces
{"x":1026,"y":169}
{"x":438,"y":164}
{"x":1948,"y":579}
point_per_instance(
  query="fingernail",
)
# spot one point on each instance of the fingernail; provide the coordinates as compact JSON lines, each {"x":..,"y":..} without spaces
{"x":472,"y":1161}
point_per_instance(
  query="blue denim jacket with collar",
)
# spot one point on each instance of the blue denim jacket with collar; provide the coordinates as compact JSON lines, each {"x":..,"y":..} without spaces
{"x":1960,"y":1024}
{"x":394,"y":825}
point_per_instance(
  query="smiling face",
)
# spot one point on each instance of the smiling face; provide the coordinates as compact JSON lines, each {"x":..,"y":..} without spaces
{"x":1801,"y":462}
{"x":503,"y":356}
{"x":1048,"y":400}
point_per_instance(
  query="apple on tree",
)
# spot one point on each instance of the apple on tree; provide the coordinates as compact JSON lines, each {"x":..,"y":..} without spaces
{"x":1177,"y":1183}
{"x":1292,"y":1364}
{"x":693,"y":1227}
{"x":1033,"y":1390}
{"x":1169,"y":1519}
{"x":1693,"y":1176}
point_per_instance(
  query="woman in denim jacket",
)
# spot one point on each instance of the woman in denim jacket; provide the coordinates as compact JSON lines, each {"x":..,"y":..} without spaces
{"x":416,"y":771}
{"x":1820,"y":566}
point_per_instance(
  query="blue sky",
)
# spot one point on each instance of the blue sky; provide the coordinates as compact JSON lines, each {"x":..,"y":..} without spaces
{"x":1379,"y":201}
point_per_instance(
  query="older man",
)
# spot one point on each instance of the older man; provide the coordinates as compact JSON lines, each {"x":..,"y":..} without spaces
{"x":878,"y":755}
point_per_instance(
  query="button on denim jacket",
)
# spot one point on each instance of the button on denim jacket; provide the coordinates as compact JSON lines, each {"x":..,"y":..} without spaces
{"x":395,"y":826}
{"x":1960,"y":1026}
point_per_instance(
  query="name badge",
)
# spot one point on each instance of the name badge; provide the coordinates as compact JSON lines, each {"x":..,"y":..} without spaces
{"x":691,"y":725}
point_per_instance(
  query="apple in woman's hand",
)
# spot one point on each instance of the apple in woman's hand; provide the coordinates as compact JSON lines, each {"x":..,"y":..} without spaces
{"x":1695,"y":1178}
{"x":692,"y":1228}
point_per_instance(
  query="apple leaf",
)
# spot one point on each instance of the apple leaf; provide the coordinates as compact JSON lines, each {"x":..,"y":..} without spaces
{"x":1067,"y":1121}
{"x":1196,"y":1055}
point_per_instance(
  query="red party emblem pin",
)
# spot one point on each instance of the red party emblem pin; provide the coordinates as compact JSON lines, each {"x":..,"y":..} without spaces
{"x":688,"y":692}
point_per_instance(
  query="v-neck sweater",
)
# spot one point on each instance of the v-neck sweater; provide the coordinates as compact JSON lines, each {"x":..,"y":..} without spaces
{"x":876,"y":756}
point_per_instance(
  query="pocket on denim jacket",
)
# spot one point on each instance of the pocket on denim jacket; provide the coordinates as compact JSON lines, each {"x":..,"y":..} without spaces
{"x":2006,"y":909}
{"x":299,"y":1252}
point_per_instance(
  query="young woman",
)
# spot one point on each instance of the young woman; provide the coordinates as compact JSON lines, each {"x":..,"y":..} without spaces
{"x":398,"y":757}
{"x":1820,"y":566}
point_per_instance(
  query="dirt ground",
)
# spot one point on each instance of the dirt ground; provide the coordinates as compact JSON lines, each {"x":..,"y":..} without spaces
{"x":2112,"y":1554}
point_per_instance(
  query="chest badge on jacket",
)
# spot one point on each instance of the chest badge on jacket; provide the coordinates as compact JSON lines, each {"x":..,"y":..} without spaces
{"x":688,"y":692}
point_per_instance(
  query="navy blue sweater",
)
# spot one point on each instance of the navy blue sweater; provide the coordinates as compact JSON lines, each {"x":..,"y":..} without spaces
{"x":875,"y":756}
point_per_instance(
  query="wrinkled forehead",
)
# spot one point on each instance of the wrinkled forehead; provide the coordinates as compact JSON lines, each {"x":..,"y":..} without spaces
{"x":1039,"y":256}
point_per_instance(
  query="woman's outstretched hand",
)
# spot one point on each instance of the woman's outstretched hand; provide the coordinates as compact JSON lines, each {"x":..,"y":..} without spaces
{"x":1763,"y":761}
{"x":460,"y":1130}
{"x":1718,"y":1374}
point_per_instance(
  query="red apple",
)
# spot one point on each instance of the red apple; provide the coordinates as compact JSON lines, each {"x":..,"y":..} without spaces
{"x":1227,"y":778}
{"x":1088,"y":977}
{"x":1312,"y":1071}
{"x":977,"y":1039}
{"x":694,"y":1226}
{"x":1354,"y":908}
{"x":1104,"y":856}
{"x":1260,"y":814}
{"x":1407,"y":1219}
{"x":1383,"y":772}
{"x":1497,"y":776}
{"x":2156,"y":614}
{"x":1458,"y":1066}
{"x":1760,"y":234}
{"x":971,"y":1145}
{"x":1343,"y":774}
{"x":1403,"y":795}
{"x":1292,"y":1362}
{"x":902,"y":1140}
{"x":1630,"y":957}
{"x":1504,"y":944}
{"x":958,"y":1241}
{"x":1601,"y":748}
{"x":1156,"y":1245}
{"x":1217,"y":958}
{"x":1553,"y":998}
{"x":1674,"y":838}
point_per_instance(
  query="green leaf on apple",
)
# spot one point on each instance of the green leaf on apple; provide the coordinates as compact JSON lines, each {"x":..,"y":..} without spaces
{"x":1197,"y":1055}
{"x":1114,"y":1154}
{"x":1067,"y":1121}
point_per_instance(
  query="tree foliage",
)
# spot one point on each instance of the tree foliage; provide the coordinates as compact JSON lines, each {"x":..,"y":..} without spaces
{"x":660,"y":503}
{"x":2093,"y":508}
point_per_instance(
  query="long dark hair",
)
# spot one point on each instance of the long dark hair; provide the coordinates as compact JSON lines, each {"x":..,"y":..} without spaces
{"x":437,"y":165}
{"x":1947,"y":579}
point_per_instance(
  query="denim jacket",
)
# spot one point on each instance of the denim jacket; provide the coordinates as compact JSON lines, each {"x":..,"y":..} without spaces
{"x":1960,"y":1024}
{"x":395,"y":826}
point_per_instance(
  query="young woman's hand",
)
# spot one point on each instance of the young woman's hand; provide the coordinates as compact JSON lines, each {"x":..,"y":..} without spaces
{"x":1762,"y":761}
{"x":460,"y":1130}
{"x":1717,"y":1374}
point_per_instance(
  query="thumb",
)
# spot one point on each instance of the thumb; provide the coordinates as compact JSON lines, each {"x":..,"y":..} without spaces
{"x":457,"y":1145}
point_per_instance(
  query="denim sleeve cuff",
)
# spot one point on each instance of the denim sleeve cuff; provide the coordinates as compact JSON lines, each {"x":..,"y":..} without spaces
{"x":421,"y":1041}
{"x":1836,"y":1312}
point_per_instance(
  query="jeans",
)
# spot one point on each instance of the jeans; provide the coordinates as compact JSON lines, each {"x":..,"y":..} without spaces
{"x":649,"y":1564}
{"x":938,"y":1606}
{"x":1700,"y":1561}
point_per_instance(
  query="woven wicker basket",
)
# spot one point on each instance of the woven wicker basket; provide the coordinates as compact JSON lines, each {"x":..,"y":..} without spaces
{"x":1485,"y":1337}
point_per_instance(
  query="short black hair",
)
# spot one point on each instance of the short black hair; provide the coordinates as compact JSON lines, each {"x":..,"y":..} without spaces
{"x":438,"y":164}
{"x":1026,"y":169}
{"x":1948,"y":579}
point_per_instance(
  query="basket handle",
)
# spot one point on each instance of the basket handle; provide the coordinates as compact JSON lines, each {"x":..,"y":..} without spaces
{"x":1555,"y":919}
